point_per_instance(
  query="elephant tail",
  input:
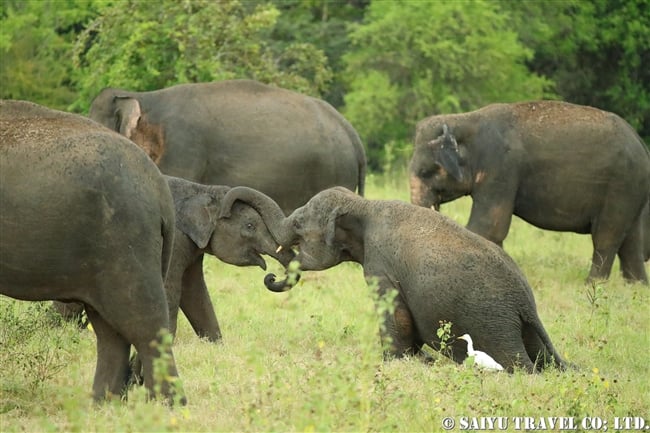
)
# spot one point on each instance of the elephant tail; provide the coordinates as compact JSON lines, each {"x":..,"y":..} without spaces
{"x":645,"y":228}
{"x":361,"y":183}
{"x":539,"y":347}
{"x":362,"y":163}
{"x":168,"y":227}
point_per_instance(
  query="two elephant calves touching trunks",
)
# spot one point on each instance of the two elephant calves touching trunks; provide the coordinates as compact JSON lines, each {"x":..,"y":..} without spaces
{"x":128,"y":242}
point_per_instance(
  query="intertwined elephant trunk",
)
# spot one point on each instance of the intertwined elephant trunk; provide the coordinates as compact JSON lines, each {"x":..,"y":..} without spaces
{"x":277,"y":223}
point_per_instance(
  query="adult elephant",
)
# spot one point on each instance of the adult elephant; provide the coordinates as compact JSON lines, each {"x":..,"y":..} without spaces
{"x":86,"y":216}
{"x":238,"y":132}
{"x":559,"y":166}
{"x":439,"y":270}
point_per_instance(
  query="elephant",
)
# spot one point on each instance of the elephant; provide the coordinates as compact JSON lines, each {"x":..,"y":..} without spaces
{"x":238,"y":240}
{"x":230,"y":133}
{"x":441,"y":271}
{"x":556,"y":165}
{"x":86,"y":216}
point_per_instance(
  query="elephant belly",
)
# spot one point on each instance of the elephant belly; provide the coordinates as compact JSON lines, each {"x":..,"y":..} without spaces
{"x":552,"y":207}
{"x":557,"y":220}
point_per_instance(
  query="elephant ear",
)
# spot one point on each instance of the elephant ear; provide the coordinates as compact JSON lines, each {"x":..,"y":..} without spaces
{"x":449,"y":156}
{"x":330,"y":225}
{"x":342,"y":220}
{"x":128,"y":113}
{"x":196,"y":217}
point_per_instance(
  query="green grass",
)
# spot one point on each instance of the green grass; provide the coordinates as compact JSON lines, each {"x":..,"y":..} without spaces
{"x":309,"y":359}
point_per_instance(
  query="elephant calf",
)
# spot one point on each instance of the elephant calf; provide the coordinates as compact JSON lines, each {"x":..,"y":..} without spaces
{"x":238,"y":240}
{"x":86,"y":216}
{"x":441,"y":271}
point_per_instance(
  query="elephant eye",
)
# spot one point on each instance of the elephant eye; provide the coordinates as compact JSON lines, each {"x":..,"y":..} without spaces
{"x":426,"y":173}
{"x":250,"y":226}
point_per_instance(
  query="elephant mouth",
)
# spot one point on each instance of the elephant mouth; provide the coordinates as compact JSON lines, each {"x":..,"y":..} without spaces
{"x":283,"y":255}
{"x":256,"y":259}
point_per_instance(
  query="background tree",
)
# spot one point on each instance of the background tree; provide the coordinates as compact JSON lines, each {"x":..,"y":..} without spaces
{"x":384,"y":64}
{"x":150,"y":45}
{"x":410,"y":60}
{"x":596,"y":52}
{"x":324,"y":24}
{"x":36,"y":40}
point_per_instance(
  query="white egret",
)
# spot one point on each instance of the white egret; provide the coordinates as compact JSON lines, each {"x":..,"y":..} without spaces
{"x":481,"y":359}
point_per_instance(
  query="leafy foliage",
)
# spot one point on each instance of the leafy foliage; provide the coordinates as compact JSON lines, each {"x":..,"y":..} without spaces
{"x":384,"y":64}
{"x":597,"y":52}
{"x":151,"y":45}
{"x":414,"y":59}
{"x":36,"y":344}
{"x":36,"y":40}
{"x":324,"y":24}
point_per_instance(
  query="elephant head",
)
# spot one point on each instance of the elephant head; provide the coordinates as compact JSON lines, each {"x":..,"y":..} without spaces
{"x":439,"y":170}
{"x":122,"y":112}
{"x":239,"y":239}
{"x":325,"y":220}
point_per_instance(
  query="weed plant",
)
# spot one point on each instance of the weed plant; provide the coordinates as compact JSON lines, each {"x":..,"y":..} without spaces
{"x":310,"y":359}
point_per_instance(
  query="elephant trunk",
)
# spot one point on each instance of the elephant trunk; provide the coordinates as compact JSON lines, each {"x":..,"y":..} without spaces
{"x":277,"y":223}
{"x":279,"y":286}
{"x":421,"y":194}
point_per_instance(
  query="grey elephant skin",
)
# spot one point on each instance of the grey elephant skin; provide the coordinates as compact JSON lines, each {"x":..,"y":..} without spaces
{"x":440,"y":270}
{"x":86,"y":216}
{"x":556,"y":165}
{"x":238,"y":240}
{"x":239,"y":132}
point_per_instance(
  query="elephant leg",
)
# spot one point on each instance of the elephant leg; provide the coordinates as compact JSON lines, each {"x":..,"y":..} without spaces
{"x":601,"y":264}
{"x":113,"y":350}
{"x":540,"y":352}
{"x":606,"y":241}
{"x":510,"y":351}
{"x":158,"y":349}
{"x":631,"y":255}
{"x":196,"y":304}
{"x":147,"y":334}
{"x":491,"y":220}
{"x":173,"y":291}
{"x":612,"y":233}
{"x":517,"y":359}
{"x":398,"y":333}
{"x":141,"y":322}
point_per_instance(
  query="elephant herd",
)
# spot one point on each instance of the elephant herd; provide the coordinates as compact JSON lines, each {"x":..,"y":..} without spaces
{"x":238,"y":169}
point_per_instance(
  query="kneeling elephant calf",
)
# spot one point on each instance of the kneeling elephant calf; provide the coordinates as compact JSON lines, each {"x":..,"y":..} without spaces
{"x":441,"y":271}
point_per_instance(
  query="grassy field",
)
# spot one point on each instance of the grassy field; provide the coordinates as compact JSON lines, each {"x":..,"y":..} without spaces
{"x":309,"y":359}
